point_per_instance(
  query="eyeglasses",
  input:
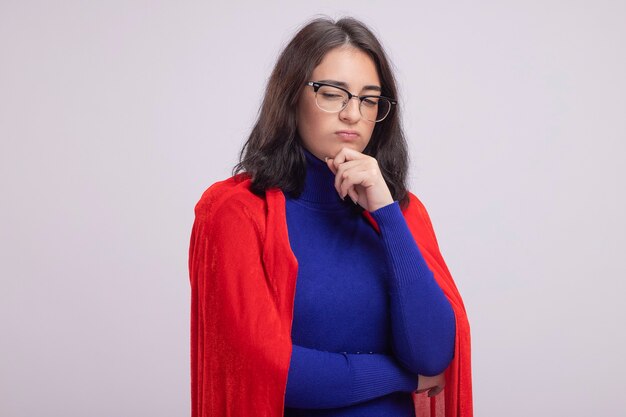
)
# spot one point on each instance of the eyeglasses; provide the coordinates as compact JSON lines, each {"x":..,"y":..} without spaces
{"x":333,"y":99}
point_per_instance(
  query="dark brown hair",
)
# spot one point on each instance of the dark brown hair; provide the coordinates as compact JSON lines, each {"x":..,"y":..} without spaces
{"x":273,"y":154}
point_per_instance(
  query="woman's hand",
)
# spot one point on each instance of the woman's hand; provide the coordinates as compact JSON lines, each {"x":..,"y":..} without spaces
{"x":433,"y":384}
{"x":359,"y":176}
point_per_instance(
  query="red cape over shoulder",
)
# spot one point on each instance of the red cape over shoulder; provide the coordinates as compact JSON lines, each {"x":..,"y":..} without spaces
{"x":243,"y":280}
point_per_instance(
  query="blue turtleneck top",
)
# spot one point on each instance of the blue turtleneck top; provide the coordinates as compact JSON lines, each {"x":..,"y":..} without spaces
{"x":368,"y":314}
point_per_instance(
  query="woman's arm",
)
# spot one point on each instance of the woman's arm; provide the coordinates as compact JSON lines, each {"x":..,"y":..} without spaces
{"x":319,"y":379}
{"x":423,"y":322}
{"x":240,"y":345}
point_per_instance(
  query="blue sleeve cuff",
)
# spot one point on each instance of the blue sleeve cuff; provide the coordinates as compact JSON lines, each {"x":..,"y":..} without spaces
{"x":319,"y":379}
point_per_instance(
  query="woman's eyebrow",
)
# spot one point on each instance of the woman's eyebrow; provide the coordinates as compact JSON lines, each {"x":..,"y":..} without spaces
{"x":345,"y":85}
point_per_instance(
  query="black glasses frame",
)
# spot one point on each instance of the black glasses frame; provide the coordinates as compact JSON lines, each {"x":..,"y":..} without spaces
{"x":316,"y":86}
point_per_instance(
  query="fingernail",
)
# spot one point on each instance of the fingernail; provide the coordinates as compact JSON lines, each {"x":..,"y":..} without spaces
{"x":326,"y":159}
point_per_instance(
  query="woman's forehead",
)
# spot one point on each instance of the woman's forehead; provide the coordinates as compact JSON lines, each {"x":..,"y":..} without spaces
{"x":348,"y":67}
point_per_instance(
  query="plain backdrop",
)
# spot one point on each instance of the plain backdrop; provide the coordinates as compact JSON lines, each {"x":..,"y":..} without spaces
{"x":116,"y":115}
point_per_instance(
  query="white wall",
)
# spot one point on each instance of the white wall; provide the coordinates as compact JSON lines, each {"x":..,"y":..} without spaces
{"x":116,"y":115}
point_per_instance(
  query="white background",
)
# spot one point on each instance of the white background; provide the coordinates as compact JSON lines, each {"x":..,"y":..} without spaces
{"x":116,"y":115}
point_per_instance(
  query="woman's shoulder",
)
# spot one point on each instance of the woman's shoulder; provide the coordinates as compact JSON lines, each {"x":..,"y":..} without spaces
{"x":418,"y":218}
{"x":226,"y":195}
{"x":230,"y":196}
{"x":415,"y":205}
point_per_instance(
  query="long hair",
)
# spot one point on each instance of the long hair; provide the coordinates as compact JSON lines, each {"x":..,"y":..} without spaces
{"x":273,"y":155}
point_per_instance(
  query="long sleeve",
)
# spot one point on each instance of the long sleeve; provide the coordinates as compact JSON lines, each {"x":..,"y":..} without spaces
{"x":319,"y":379}
{"x":344,"y":304}
{"x":423,"y":322}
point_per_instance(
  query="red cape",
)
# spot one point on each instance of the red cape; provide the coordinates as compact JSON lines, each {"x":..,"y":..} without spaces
{"x":243,"y":280}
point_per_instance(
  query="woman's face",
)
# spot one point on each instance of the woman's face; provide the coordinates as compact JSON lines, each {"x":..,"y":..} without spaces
{"x":322,"y":133}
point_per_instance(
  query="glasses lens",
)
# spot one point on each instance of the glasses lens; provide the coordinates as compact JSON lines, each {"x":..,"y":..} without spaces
{"x":369,"y":108}
{"x":375,"y":108}
{"x":384,"y":107}
{"x":331,"y":99}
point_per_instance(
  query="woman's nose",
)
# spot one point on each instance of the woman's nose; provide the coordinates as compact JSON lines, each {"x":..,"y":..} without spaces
{"x":351,"y":112}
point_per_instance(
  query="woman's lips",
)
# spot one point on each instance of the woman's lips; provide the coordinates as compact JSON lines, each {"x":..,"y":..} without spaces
{"x":347,"y":135}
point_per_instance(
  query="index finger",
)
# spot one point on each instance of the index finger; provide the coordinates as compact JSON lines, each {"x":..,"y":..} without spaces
{"x":346,"y":154}
{"x":435,"y":391}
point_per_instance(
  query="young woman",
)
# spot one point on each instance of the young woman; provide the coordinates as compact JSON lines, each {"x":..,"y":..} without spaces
{"x":318,"y":288}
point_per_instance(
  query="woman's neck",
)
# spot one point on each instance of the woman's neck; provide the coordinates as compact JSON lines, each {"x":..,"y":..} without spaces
{"x":319,"y":185}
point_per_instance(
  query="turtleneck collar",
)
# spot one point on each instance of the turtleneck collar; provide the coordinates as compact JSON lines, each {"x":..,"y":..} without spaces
{"x":319,"y":186}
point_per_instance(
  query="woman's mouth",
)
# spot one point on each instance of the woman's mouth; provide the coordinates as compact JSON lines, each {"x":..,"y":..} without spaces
{"x":347,"y":134}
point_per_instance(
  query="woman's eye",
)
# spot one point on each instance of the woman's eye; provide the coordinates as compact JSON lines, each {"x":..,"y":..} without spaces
{"x":370,"y":102}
